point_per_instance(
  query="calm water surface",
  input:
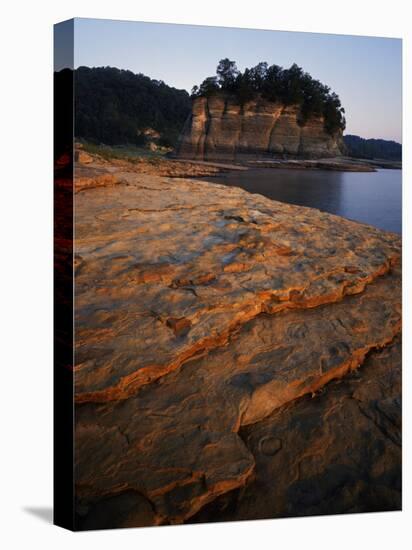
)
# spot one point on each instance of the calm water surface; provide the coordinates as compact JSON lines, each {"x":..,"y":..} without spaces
{"x":374,"y":198}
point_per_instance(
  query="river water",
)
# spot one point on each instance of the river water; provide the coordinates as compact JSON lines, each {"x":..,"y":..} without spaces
{"x":374,"y":198}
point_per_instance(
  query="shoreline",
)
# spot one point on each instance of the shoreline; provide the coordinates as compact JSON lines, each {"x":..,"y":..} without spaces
{"x":189,"y":167}
{"x":344,"y":164}
{"x":223,"y":173}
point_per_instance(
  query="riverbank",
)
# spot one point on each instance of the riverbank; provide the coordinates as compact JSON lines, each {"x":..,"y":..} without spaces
{"x":158,"y":165}
{"x":205,"y":317}
{"x":368,"y":197}
{"x":167,"y":164}
{"x":338,"y":164}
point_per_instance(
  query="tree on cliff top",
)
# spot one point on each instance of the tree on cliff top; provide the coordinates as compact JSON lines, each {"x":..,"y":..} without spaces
{"x":207,"y":88}
{"x":291,"y":86}
{"x":227,"y":73}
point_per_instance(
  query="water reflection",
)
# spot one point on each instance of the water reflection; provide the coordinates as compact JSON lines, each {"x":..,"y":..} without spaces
{"x":370,"y":197}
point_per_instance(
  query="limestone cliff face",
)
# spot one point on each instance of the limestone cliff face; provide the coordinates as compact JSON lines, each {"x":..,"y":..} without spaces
{"x":221,"y":129}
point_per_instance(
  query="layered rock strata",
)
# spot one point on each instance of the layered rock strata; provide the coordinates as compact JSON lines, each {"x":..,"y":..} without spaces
{"x":203,"y":310}
{"x":339,"y":452}
{"x":219,"y":128}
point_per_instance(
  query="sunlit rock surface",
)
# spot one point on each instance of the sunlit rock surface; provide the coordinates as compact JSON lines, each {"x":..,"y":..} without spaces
{"x":220,"y":128}
{"x":203,"y":313}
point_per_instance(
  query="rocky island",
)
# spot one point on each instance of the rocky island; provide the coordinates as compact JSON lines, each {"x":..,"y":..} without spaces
{"x":236,"y":357}
{"x":263,"y":112}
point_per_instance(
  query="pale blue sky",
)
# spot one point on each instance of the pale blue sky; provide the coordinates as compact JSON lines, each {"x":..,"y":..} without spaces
{"x":365,"y":72}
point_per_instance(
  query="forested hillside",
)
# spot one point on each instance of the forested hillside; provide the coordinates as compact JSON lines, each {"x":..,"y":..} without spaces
{"x":114,"y":107}
{"x":372,"y":148}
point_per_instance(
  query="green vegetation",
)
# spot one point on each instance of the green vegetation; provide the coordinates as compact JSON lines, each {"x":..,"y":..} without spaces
{"x":121,"y":152}
{"x":372,"y":148}
{"x":118,"y":107}
{"x":128,"y":153}
{"x":114,"y":106}
{"x":290,"y":86}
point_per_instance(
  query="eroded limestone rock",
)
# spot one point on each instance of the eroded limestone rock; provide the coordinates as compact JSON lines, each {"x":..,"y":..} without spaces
{"x":219,"y":128}
{"x":203,"y":313}
{"x":212,"y":257}
{"x":176,"y":441}
{"x":339,"y":452}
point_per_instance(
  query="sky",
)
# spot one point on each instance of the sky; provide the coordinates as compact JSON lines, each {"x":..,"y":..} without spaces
{"x":366,"y":72}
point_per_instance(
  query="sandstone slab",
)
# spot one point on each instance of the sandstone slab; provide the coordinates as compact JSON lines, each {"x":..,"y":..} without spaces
{"x":339,"y":452}
{"x":207,"y":257}
{"x":176,"y":441}
{"x":204,"y":316}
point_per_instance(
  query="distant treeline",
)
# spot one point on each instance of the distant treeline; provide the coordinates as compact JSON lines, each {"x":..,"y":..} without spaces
{"x":115,"y":107}
{"x":290,"y":86}
{"x":372,"y":148}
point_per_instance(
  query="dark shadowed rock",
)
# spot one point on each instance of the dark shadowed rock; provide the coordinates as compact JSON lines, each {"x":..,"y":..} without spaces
{"x":338,"y":452}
